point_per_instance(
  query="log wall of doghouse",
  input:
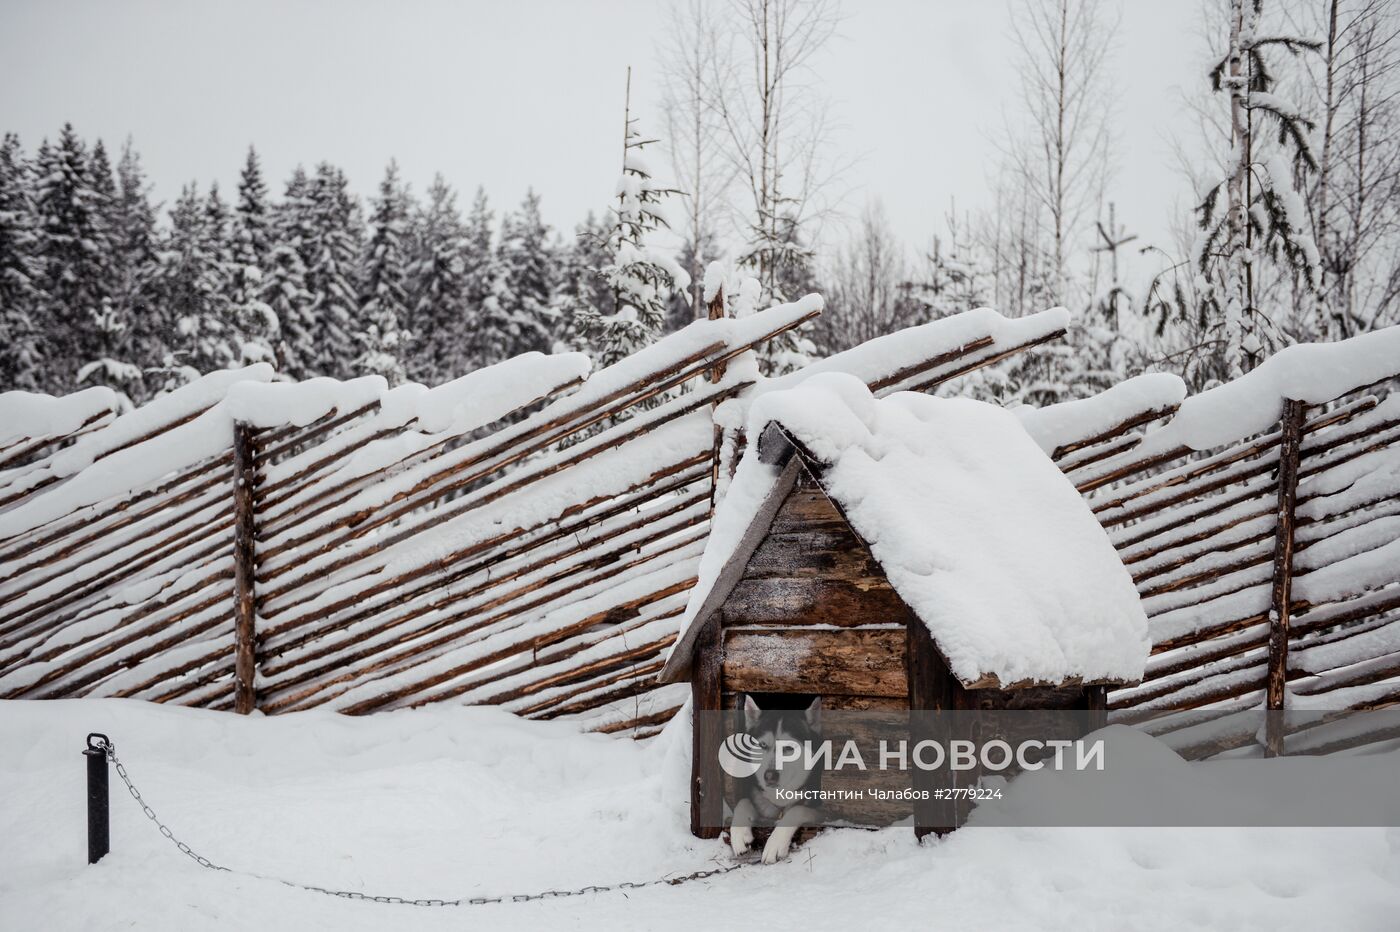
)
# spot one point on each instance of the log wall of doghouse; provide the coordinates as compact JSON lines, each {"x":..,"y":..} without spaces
{"x":812,"y":613}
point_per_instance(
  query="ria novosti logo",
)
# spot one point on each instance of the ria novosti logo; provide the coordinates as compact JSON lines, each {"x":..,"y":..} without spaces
{"x":741,"y":755}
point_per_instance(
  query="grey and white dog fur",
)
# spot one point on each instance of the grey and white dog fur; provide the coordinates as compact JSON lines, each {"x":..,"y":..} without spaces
{"x":759,"y":797}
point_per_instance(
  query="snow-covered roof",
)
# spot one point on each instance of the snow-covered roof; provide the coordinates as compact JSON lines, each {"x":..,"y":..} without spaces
{"x":977,"y":530}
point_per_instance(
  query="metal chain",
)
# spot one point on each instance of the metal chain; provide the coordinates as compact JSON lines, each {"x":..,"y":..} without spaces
{"x":199,"y":859}
{"x":110,"y":748}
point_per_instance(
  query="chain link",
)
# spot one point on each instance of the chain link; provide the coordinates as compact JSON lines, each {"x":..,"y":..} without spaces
{"x":676,"y":880}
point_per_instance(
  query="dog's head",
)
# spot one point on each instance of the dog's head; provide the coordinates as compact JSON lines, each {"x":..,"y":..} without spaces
{"x":773,"y":726}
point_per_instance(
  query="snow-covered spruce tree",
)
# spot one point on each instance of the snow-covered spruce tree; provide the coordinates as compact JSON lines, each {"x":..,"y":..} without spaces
{"x":482,"y":270}
{"x":21,"y":364}
{"x":1263,"y":215}
{"x":150,"y":325}
{"x":110,"y":360}
{"x":192,"y":282}
{"x":285,"y":287}
{"x":74,"y":258}
{"x":104,"y":187}
{"x":522,"y":318}
{"x":783,"y":264}
{"x":691,"y":255}
{"x":956,"y":277}
{"x":640,"y":277}
{"x":438,"y":286}
{"x":255,"y":324}
{"x":580,"y":284}
{"x":384,"y":283}
{"x":332,"y":263}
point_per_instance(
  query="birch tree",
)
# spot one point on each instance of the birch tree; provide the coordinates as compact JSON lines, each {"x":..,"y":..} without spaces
{"x":1061,"y":153}
{"x":1354,"y":201}
{"x":695,"y":134}
{"x":775,"y":126}
{"x":868,"y":287}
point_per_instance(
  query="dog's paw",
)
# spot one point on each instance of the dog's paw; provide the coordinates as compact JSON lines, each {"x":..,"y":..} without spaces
{"x":740,"y":839}
{"x":779,"y":843}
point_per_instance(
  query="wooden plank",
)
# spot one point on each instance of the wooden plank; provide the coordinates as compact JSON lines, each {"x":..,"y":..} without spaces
{"x":87,"y":517}
{"x":1096,"y":703}
{"x":900,"y":376}
{"x":716,"y":312}
{"x":930,"y":689}
{"x":1114,"y":432}
{"x":244,"y":571}
{"x":815,"y":553}
{"x":733,"y":700}
{"x":980,"y":361}
{"x":808,"y":509}
{"x":814,"y":601}
{"x":707,"y":731}
{"x":865,"y":703}
{"x":1294,"y":413}
{"x":25,"y":447}
{"x":822,"y":661}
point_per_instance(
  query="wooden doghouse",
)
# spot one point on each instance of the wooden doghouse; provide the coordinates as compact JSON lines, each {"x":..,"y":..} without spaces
{"x":857,"y":556}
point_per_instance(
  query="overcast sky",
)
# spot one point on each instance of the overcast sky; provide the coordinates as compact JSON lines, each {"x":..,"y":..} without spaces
{"x":529,"y":92}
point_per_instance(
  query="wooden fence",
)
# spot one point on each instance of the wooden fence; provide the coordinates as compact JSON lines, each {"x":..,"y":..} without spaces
{"x":526,"y":535}
{"x":1268,"y":561}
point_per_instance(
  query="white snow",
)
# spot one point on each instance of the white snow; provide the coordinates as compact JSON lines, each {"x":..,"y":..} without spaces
{"x":33,"y":415}
{"x":274,"y":404}
{"x":183,"y":403}
{"x":883,"y":358}
{"x":715,"y":274}
{"x":451,"y":802}
{"x":1310,"y":372}
{"x":1074,"y":421}
{"x":979,"y":532}
{"x":95,"y":472}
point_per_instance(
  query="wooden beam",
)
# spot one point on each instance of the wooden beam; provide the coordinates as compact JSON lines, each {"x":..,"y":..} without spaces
{"x":825,"y":661}
{"x":1280,"y":602}
{"x":1114,"y":432}
{"x":716,"y":311}
{"x":930,"y":690}
{"x":706,"y":782}
{"x":244,"y":571}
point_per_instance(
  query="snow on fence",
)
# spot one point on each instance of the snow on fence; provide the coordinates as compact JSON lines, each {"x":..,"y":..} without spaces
{"x":526,"y":535}
{"x":1261,"y":523}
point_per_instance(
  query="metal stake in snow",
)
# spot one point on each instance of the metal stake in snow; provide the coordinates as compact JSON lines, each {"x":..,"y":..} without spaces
{"x":99,"y":839}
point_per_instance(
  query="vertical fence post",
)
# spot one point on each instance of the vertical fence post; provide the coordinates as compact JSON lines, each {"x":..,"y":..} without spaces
{"x":1282,"y":592}
{"x":244,"y":571}
{"x":716,"y":373}
{"x":99,"y":835}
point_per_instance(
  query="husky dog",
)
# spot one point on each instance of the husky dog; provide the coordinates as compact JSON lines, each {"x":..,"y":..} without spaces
{"x":758,"y":794}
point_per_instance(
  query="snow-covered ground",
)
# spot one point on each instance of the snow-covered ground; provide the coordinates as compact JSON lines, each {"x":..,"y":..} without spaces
{"x":457,"y":802}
